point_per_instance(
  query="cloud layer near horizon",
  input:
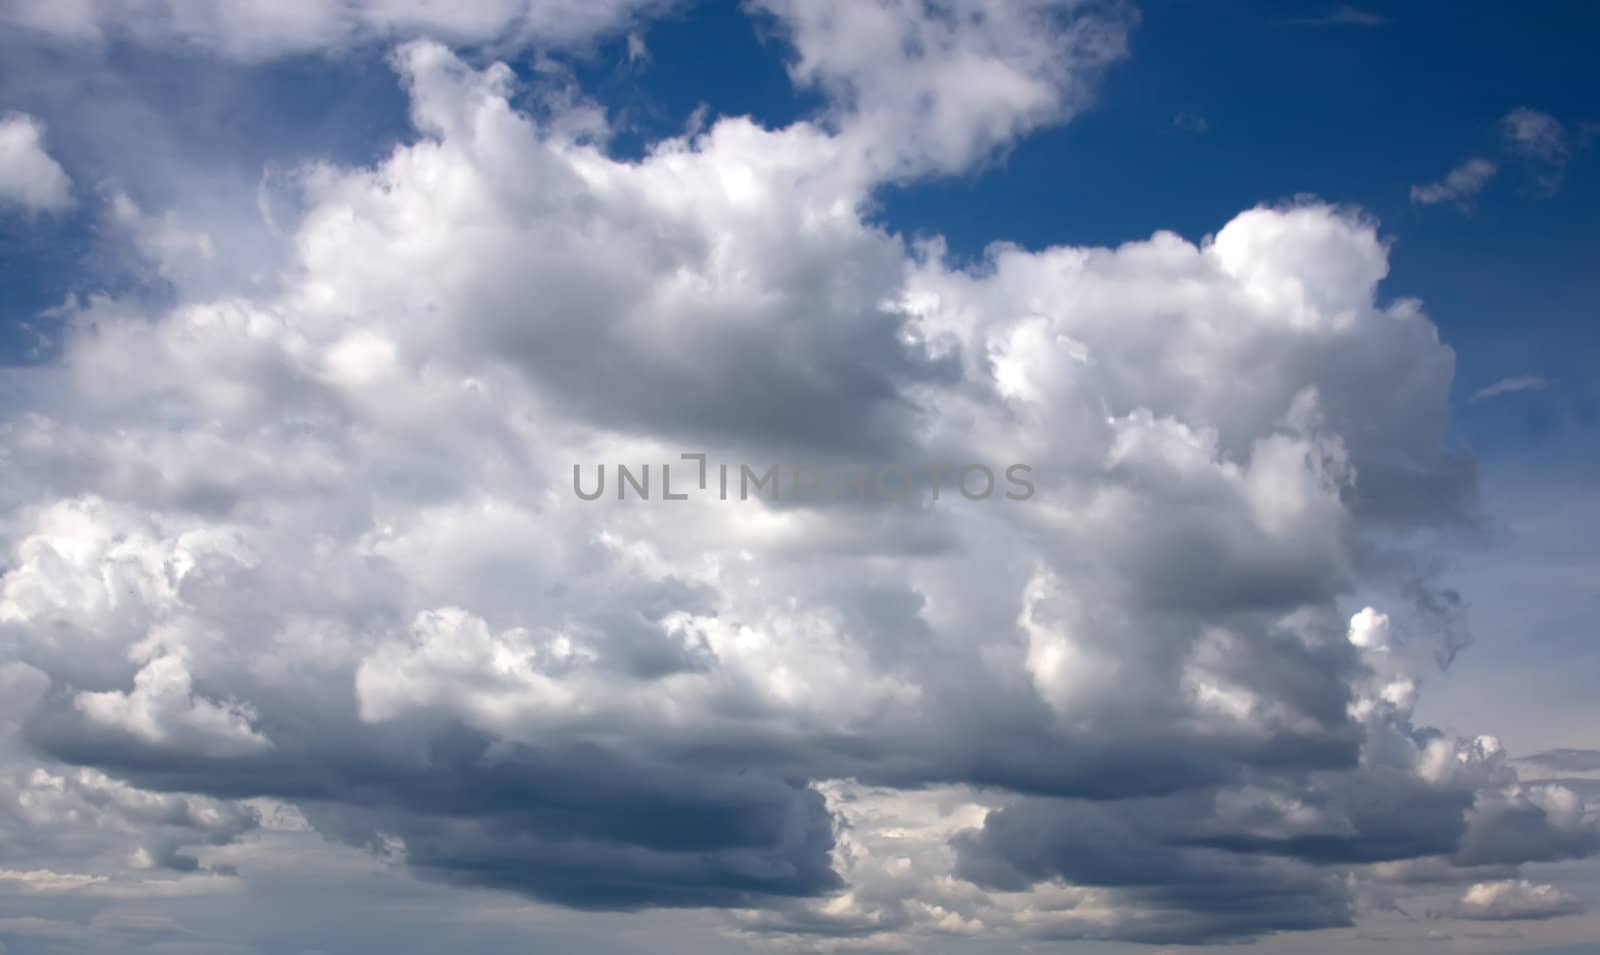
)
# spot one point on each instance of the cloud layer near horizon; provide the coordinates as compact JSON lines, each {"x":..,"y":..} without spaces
{"x":316,"y":546}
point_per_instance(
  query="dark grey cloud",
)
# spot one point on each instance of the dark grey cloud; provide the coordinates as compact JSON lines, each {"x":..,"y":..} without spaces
{"x":1193,"y":894}
{"x":576,"y":824}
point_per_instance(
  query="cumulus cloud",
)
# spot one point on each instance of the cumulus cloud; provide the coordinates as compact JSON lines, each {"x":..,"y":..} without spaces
{"x":1513,"y":899}
{"x":1460,"y":186}
{"x":29,"y":177}
{"x":937,"y":85}
{"x":162,"y":709}
{"x":314,"y":544}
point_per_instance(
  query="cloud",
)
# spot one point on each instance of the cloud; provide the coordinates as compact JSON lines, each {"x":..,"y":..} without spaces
{"x":1535,"y":134}
{"x":254,"y":30}
{"x":1529,"y":823}
{"x":311,"y":544}
{"x":1568,"y":760}
{"x":1343,"y":15}
{"x":177,"y":252}
{"x":29,"y":177}
{"x":1513,"y":899}
{"x":163,"y":710}
{"x":1541,"y":140}
{"x":1191,"y":123}
{"x":938,"y":85}
{"x":1510,"y":386}
{"x":44,"y":881}
{"x":1460,"y":186}
{"x":638,"y":52}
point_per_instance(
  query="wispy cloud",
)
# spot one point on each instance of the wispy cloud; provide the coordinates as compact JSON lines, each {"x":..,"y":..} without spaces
{"x":1191,"y":122}
{"x":1459,"y":186}
{"x":637,"y":51}
{"x":1343,"y":15}
{"x":1568,"y":760}
{"x":1542,"y":140}
{"x":1509,"y":386}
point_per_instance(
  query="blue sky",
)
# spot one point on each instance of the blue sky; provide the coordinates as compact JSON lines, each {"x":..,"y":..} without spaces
{"x":307,"y":310}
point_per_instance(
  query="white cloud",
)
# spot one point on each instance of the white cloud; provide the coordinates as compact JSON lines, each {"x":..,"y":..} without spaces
{"x":163,"y":709}
{"x":1460,"y":186}
{"x":1510,"y":386}
{"x":1514,"y":899}
{"x":173,"y":249}
{"x":315,"y":542}
{"x":938,"y":85}
{"x":46,"y":882}
{"x":1369,"y":629}
{"x":638,"y":52}
{"x":29,"y":177}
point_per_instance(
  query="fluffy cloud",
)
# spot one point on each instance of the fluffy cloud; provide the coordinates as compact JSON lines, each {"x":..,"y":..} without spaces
{"x":937,"y":85}
{"x":162,"y":709}
{"x":314,"y":543}
{"x":1514,"y":899}
{"x":29,"y":177}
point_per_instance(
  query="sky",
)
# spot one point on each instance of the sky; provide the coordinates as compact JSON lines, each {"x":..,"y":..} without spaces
{"x":1183,"y":422}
